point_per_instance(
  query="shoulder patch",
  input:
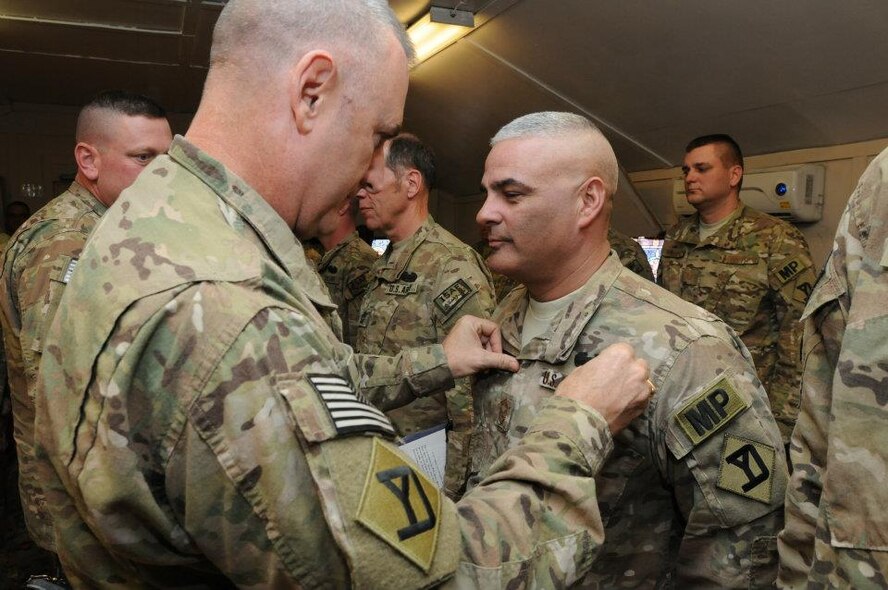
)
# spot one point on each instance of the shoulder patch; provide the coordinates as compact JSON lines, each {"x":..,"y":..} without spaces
{"x":453,"y":296}
{"x":747,"y":468}
{"x":790,"y":270}
{"x":350,"y":413}
{"x":401,"y":506}
{"x":706,"y":412}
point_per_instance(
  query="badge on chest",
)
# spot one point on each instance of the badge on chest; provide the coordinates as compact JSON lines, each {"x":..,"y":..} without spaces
{"x":551,"y":378}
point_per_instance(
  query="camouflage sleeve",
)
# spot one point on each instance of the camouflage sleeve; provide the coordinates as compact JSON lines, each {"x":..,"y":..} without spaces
{"x":534,"y":522}
{"x":722,"y":454}
{"x":639,"y":263}
{"x":464,"y":287}
{"x":395,"y":381}
{"x":792,"y":276}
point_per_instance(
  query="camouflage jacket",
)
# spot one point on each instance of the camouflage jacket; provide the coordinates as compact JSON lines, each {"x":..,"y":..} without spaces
{"x":36,"y":267}
{"x":416,"y":292}
{"x":631,"y":254}
{"x":344,"y":270}
{"x":836,"y":531}
{"x":209,"y":434}
{"x":692,"y":494}
{"x":756,"y":274}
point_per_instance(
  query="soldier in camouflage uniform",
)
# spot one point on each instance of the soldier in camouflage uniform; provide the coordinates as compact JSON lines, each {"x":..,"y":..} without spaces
{"x":692,"y":495}
{"x":418,"y":289}
{"x":752,"y":270}
{"x":836,"y":533}
{"x":630,"y":253}
{"x":209,"y":432}
{"x":345,"y":265}
{"x":118,"y":134}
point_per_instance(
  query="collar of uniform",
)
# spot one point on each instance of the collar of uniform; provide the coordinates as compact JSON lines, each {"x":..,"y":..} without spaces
{"x":396,"y":262}
{"x":335,"y":250}
{"x":567,"y":327}
{"x":274,"y":233}
{"x":687,"y":230}
{"x":89,"y":199}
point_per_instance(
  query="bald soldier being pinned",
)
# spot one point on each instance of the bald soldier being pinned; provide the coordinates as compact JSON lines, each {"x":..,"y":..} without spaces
{"x":692,"y":494}
{"x":418,"y":289}
{"x":213,"y":431}
{"x":118,"y":134}
{"x":752,"y":270}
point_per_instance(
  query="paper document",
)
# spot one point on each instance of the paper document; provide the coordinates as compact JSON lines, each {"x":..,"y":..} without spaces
{"x":428,"y":449}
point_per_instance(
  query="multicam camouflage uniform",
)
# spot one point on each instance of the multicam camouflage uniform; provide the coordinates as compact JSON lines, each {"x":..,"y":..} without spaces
{"x":692,"y":495}
{"x":416,"y":292}
{"x":836,"y":532}
{"x":344,"y":270}
{"x":756,"y":274}
{"x":36,"y":267}
{"x":208,"y":433}
{"x":631,"y":254}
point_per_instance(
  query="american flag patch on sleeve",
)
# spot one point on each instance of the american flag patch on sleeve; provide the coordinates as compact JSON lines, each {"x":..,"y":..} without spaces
{"x":350,"y":413}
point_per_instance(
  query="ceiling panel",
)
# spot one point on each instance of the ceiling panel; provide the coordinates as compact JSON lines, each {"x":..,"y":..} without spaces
{"x":158,"y":15}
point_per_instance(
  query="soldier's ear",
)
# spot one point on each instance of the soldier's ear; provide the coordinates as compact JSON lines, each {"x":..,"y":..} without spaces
{"x":413,"y":178}
{"x":593,"y":199}
{"x":313,"y":82}
{"x":88,"y":160}
{"x":736,"y":175}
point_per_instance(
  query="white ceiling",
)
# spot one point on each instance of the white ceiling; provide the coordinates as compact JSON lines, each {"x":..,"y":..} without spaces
{"x":776,"y":74}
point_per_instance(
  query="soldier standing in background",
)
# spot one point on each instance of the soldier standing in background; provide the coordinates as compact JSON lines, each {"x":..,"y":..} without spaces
{"x":692,"y":495}
{"x":631,"y":254}
{"x":750,"y":269}
{"x":211,"y":430}
{"x":118,"y":134}
{"x":345,"y":264}
{"x":836,"y":531}
{"x":418,"y":289}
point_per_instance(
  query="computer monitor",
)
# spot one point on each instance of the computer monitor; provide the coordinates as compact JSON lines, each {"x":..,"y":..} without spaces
{"x":652,"y":248}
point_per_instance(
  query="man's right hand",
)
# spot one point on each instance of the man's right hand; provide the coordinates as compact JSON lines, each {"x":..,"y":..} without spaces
{"x":614,"y":383}
{"x":474,"y":345}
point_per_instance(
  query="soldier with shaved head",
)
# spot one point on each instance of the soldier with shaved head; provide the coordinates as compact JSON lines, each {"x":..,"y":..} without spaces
{"x":118,"y":135}
{"x":692,"y":494}
{"x":201,"y":424}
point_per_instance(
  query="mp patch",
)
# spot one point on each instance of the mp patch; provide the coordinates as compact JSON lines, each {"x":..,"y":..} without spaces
{"x":747,"y":468}
{"x":453,"y":296}
{"x":790,"y":270}
{"x":706,"y":412}
{"x":350,"y":414}
{"x":401,"y":506}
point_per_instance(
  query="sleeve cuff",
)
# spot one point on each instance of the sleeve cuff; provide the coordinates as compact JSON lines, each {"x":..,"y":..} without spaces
{"x":583,"y":426}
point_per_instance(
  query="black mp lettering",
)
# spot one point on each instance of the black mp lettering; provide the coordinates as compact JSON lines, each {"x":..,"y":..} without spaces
{"x":404,"y":475}
{"x":702,"y":417}
{"x":719,"y":400}
{"x":740,"y":458}
{"x":787,"y":271}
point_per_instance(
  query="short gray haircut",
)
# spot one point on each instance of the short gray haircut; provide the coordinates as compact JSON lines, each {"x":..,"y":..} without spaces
{"x":281,"y":29}
{"x":559,"y":124}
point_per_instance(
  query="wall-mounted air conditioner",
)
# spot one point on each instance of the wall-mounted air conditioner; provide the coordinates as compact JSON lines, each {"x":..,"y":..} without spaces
{"x":794,"y":193}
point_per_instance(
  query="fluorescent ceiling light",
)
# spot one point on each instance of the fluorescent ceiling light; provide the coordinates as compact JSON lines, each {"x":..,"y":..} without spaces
{"x":438,"y":29}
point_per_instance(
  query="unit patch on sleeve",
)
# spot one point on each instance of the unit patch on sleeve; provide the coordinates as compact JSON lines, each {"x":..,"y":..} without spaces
{"x":350,"y":414}
{"x":401,"y":506}
{"x":709,"y":410}
{"x":747,"y":468}
{"x":790,"y":270}
{"x":453,"y":296}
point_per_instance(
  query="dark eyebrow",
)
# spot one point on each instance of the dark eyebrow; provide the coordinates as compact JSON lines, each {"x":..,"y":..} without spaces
{"x":500,"y":185}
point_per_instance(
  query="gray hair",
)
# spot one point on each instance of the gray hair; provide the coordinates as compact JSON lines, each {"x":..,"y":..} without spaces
{"x":278,"y":29}
{"x":558,"y":124}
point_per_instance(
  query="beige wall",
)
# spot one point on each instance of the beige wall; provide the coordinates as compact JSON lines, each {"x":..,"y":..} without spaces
{"x":37,"y":146}
{"x":843,"y":163}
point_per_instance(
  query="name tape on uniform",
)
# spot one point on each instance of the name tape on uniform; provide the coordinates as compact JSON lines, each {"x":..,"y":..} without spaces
{"x":350,"y":414}
{"x":747,"y":468}
{"x":709,"y":410}
{"x":400,"y":505}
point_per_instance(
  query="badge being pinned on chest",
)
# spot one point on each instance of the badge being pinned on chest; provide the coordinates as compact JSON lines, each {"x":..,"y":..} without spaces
{"x":551,"y":378}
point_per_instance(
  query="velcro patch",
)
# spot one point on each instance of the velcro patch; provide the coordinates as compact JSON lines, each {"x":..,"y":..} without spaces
{"x":401,"y":506}
{"x":358,"y":284}
{"x":453,"y":296}
{"x":747,"y":468}
{"x":551,"y":378}
{"x":790,"y":270}
{"x":350,"y":413}
{"x":69,"y":270}
{"x":400,"y":288}
{"x":705,"y":413}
